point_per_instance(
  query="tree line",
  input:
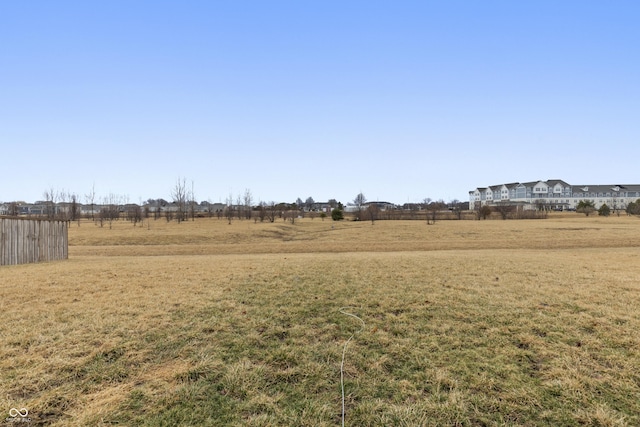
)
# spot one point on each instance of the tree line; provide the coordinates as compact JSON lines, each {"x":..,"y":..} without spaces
{"x":182,"y":206}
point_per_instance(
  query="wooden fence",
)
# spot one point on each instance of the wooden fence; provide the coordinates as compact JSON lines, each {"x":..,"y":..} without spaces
{"x":25,"y":240}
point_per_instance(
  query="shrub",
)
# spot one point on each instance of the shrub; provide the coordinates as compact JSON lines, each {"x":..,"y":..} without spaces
{"x":484,"y":212}
{"x":337,"y":215}
{"x":604,"y":210}
{"x":634,"y":208}
{"x":586,"y":207}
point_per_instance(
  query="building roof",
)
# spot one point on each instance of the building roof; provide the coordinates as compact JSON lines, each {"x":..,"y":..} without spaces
{"x":553,"y":182}
{"x":604,"y":188}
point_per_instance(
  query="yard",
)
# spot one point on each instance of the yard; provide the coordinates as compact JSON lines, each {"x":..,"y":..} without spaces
{"x":466,"y":323}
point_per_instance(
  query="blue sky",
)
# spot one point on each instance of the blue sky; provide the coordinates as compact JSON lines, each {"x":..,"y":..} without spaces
{"x":400,"y":100}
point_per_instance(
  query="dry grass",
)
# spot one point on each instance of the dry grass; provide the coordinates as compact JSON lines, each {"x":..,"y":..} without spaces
{"x":467,"y":323}
{"x":213,"y":237}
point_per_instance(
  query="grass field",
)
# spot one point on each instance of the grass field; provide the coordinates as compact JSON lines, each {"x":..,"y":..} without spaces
{"x":467,"y":323}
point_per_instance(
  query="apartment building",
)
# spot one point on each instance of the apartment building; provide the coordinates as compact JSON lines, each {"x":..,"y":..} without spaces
{"x":554,"y":194}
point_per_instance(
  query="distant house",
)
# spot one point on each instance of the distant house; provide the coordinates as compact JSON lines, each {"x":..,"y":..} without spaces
{"x":210,"y":208}
{"x":89,"y":210}
{"x":323,"y":207}
{"x":412,"y":206}
{"x":383,"y":206}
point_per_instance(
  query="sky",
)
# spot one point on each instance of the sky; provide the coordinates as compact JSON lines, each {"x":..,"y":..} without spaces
{"x":400,"y":100}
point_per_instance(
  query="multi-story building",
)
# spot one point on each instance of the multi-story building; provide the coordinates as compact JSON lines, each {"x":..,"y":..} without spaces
{"x":554,"y":194}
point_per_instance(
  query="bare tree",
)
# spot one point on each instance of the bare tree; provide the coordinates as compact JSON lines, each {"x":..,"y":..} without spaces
{"x":262,"y":211}
{"x":618,"y":204}
{"x":74,"y":209}
{"x":359,"y":201}
{"x":483,"y":212}
{"x":504,"y":209}
{"x":229,"y":209}
{"x":425,"y":206}
{"x":248,"y":201}
{"x":63,"y":206}
{"x":14,"y":209}
{"x":192,"y":203}
{"x":292,"y":212}
{"x":542,"y":205}
{"x":90,"y":199}
{"x":433,"y":209}
{"x":168,"y":214}
{"x":157,"y":213}
{"x":50,"y":199}
{"x":239,"y":207}
{"x":372,"y":212}
{"x":110,"y":209}
{"x":102,"y":216}
{"x":210,"y":211}
{"x":272,"y":211}
{"x":456,"y":208}
{"x":134,"y":213}
{"x":179,"y":195}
